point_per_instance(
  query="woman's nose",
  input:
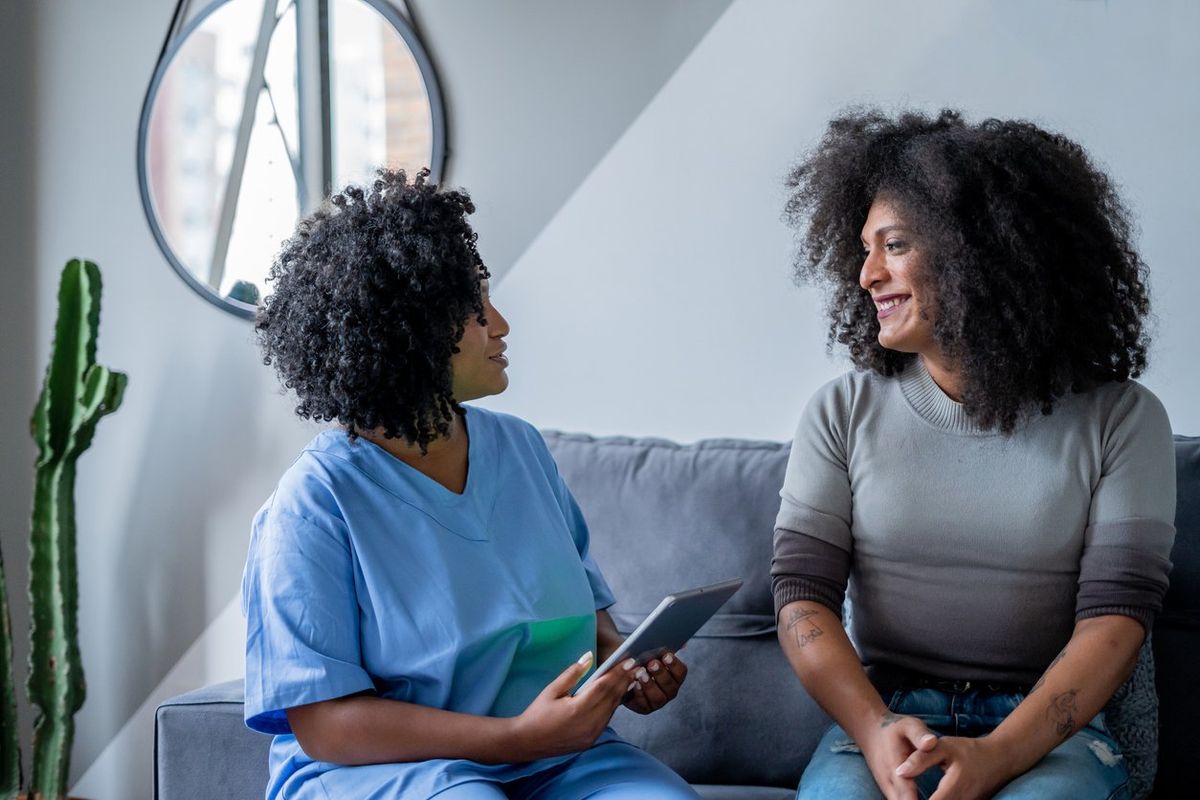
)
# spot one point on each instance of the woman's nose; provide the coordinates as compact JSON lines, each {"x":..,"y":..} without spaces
{"x":497,"y":324}
{"x":873,"y":270}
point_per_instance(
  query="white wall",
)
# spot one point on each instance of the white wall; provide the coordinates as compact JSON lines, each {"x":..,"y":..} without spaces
{"x":650,"y":295}
{"x":538,"y":91}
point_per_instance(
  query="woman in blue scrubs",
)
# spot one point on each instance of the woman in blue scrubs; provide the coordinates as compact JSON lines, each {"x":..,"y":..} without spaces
{"x":419,"y":595}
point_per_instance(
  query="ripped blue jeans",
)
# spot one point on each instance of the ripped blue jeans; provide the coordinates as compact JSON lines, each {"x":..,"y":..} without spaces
{"x":1088,"y":765}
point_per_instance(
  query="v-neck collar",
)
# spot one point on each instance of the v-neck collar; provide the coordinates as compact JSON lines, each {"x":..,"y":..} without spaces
{"x":432,"y":489}
{"x":416,"y":488}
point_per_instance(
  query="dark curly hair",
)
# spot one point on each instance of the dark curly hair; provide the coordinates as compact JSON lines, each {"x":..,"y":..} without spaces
{"x":371,"y":295}
{"x":1037,"y":287}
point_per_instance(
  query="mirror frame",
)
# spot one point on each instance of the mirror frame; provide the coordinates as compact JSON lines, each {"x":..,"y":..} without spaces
{"x":437,"y":157}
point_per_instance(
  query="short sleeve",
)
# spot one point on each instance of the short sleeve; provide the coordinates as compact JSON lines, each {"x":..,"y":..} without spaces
{"x":574,"y":518}
{"x":813,"y":541}
{"x":301,"y":619}
{"x":1127,"y":544}
{"x":580,"y":534}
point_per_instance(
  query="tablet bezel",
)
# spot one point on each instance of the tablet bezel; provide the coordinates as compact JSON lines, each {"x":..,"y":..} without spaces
{"x":684,"y":601}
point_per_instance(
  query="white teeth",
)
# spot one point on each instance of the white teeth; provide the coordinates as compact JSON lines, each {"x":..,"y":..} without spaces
{"x":886,"y":304}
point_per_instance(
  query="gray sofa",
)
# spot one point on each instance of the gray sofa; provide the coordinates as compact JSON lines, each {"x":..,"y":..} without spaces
{"x":664,"y":517}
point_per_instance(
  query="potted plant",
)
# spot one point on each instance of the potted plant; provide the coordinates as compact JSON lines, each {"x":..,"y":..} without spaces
{"x":76,"y":393}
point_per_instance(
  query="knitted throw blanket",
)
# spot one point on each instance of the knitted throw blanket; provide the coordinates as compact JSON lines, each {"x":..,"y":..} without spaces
{"x":1132,"y":719}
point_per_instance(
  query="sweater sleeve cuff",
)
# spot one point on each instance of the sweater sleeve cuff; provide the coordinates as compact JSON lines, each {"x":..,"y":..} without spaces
{"x":791,"y":588}
{"x":806,"y":567}
{"x":1143,"y":615}
{"x":1115,"y":579}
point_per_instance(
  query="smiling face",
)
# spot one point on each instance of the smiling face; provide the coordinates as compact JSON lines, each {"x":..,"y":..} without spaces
{"x":892,"y":274}
{"x":478,"y":368}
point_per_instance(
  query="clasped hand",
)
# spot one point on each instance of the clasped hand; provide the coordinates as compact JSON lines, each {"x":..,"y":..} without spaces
{"x":557,"y":722}
{"x":656,"y":684}
{"x":903,"y":747}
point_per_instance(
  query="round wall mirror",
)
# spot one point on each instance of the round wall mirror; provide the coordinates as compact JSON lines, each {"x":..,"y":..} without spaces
{"x":258,"y":110}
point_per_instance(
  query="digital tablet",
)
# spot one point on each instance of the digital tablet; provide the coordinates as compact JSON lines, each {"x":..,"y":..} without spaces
{"x":669,"y":626}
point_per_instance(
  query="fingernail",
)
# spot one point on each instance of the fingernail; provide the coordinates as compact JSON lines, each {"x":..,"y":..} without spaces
{"x":632,"y":686}
{"x":643,"y":676}
{"x":629,"y":664}
{"x":927,"y":737}
{"x":668,"y":659}
{"x":902,"y":769}
{"x":585,"y":659}
{"x":654,"y":666}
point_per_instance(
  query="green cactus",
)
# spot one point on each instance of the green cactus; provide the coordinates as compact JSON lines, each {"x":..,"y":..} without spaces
{"x":75,"y":394}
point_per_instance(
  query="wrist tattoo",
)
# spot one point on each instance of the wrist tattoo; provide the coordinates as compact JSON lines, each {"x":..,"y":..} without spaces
{"x":1062,"y":711}
{"x":889,"y":719}
{"x":804,"y":635}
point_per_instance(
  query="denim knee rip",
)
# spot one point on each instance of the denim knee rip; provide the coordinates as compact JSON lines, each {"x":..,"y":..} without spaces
{"x":1103,"y":753}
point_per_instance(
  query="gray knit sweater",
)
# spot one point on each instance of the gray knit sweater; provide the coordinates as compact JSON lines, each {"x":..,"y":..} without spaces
{"x":970,"y":554}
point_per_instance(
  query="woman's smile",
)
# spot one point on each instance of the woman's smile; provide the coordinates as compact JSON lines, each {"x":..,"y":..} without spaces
{"x":888,"y":304}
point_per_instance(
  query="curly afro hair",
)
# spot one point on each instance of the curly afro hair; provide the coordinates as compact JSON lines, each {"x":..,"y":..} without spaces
{"x":1037,"y":288}
{"x":371,"y":295}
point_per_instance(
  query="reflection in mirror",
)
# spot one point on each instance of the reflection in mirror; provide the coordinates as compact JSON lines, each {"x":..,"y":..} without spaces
{"x":258,"y":111}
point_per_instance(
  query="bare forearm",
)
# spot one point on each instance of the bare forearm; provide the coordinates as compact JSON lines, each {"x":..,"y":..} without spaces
{"x":364,"y":729}
{"x":820,"y":653}
{"x":1098,"y":658}
{"x":608,"y":638}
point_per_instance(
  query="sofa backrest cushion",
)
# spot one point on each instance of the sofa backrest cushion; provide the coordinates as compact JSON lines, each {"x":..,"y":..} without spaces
{"x":666,"y":517}
{"x":1177,"y":631}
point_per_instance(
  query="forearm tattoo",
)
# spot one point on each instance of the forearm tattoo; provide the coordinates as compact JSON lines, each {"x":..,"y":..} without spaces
{"x":1062,"y":712}
{"x":1042,"y":679}
{"x":800,"y":626}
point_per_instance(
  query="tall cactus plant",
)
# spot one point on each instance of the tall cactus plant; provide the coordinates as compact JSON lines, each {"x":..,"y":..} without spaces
{"x":76,"y":393}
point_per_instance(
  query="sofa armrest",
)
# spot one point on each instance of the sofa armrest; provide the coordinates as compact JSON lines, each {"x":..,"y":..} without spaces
{"x":203,"y":749}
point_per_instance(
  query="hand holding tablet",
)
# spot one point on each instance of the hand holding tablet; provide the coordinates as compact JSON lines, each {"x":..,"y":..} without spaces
{"x":669,"y":626}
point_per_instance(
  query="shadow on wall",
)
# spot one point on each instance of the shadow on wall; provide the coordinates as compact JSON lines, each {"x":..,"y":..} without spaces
{"x":186,"y":505}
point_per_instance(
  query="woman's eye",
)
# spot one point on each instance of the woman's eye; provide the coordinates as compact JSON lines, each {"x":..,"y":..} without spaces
{"x":894,"y":245}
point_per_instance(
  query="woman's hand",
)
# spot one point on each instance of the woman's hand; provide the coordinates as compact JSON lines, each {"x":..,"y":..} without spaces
{"x":556,"y":722}
{"x":974,"y":767}
{"x":889,"y":743}
{"x":657,"y":684}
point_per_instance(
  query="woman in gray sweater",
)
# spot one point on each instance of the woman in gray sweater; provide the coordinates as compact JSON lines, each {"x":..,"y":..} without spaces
{"x":990,"y":485}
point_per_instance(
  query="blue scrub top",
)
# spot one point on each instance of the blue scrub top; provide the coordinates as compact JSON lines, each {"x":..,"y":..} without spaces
{"x":365,"y":575}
